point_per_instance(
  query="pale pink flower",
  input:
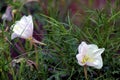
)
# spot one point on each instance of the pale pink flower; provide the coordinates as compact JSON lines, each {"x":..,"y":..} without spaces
{"x":24,"y":29}
{"x":90,"y":55}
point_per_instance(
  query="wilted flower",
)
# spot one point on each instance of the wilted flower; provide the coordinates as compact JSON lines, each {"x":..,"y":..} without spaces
{"x":8,"y":14}
{"x":31,"y":63}
{"x":24,"y":29}
{"x":16,"y":61}
{"x":90,"y":55}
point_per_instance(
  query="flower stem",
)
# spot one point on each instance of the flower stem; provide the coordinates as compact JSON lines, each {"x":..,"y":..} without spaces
{"x":85,"y":72}
{"x":37,"y":56}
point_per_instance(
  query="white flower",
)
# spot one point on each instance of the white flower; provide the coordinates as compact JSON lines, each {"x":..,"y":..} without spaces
{"x":90,"y":55}
{"x":24,"y":29}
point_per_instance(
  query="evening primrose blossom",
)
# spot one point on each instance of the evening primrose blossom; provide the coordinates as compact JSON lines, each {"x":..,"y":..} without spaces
{"x":90,"y":55}
{"x":24,"y":29}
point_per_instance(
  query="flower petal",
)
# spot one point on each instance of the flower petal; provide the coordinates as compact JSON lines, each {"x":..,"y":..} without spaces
{"x":28,"y":26}
{"x":97,"y":63}
{"x":79,"y":58}
{"x":91,"y":49}
{"x":92,"y":46}
{"x":83,"y":47}
{"x":98,"y":52}
{"x":14,"y":35}
{"x":24,"y":27}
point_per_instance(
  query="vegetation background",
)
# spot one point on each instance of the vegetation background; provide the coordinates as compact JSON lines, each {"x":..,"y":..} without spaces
{"x":62,"y":25}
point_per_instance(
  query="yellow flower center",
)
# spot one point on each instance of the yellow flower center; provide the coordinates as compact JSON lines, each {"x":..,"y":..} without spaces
{"x":86,"y":58}
{"x":30,"y":38}
{"x":16,"y":28}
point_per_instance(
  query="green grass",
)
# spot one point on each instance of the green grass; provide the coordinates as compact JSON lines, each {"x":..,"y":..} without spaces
{"x":57,"y":60}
